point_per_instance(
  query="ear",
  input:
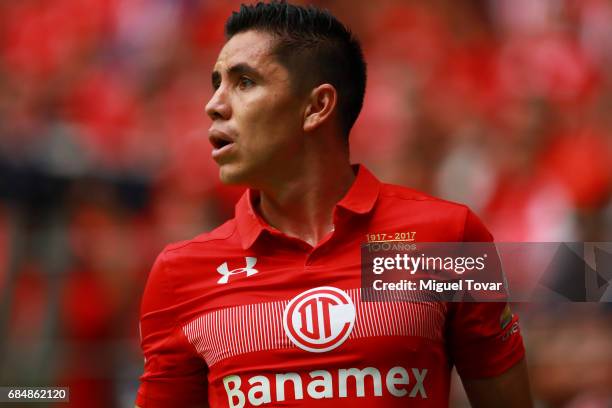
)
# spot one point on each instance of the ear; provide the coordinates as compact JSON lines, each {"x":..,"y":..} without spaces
{"x":321,"y":104}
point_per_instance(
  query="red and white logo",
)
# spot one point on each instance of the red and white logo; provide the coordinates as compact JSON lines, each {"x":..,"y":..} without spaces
{"x":319,"y":319}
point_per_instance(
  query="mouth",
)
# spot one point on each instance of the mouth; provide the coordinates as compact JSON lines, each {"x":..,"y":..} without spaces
{"x":220,"y":142}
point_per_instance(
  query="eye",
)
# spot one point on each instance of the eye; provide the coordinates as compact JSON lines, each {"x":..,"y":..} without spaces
{"x":216,"y":80}
{"x":244,"y":82}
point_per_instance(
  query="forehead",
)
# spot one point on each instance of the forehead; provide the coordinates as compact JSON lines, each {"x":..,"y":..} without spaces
{"x":250,"y":47}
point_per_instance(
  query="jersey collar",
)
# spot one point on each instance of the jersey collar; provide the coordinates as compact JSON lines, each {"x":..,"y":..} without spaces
{"x":360,"y":199}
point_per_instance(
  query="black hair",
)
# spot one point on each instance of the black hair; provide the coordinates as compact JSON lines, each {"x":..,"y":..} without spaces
{"x":315,"y":48}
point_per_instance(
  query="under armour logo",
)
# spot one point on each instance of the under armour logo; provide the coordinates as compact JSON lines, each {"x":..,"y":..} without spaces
{"x":249,"y":270}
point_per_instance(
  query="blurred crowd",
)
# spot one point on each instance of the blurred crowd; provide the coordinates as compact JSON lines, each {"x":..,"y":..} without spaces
{"x":505,"y":105}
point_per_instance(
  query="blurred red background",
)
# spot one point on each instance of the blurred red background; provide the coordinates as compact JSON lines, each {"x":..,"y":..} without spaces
{"x":504,"y":105}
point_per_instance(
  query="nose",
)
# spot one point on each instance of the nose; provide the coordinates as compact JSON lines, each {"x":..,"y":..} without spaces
{"x":218,"y":107}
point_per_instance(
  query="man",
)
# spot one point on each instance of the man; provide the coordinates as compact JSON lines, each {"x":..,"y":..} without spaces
{"x":266,"y":309}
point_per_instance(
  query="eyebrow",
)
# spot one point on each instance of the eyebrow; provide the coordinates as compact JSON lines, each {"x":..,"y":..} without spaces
{"x":238,"y":69}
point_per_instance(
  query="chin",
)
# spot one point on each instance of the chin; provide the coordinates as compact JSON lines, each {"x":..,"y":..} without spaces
{"x":231,"y":175}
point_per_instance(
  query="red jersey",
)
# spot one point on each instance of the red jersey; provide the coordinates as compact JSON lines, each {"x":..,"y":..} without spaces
{"x":246,"y":316}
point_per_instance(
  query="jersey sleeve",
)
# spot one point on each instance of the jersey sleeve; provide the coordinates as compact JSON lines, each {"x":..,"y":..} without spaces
{"x":173,"y":373}
{"x":484,"y":338}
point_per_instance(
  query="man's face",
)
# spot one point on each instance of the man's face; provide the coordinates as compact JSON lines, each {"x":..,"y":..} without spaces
{"x":257,"y":119}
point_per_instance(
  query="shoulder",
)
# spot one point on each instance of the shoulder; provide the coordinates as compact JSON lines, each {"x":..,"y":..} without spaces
{"x":454,"y":221}
{"x":205,"y":243}
{"x":210,"y":240}
{"x":408,"y":195}
{"x":405,"y":198}
{"x":187,"y":269}
{"x":188,"y":260}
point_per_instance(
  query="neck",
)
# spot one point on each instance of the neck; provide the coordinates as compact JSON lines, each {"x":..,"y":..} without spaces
{"x":303,"y":205}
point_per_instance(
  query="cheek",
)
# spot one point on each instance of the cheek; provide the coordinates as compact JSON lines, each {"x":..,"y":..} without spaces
{"x":285,"y":113}
{"x":270,"y":119}
{"x":252,"y":112}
